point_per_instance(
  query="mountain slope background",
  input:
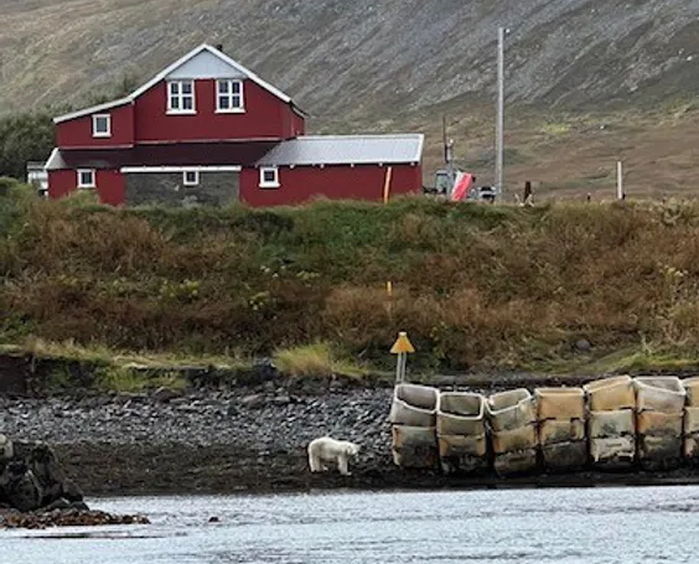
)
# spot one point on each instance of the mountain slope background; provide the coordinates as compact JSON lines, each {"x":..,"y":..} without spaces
{"x":589,"y":81}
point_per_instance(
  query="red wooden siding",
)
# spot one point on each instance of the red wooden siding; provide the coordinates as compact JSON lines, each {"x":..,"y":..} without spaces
{"x":77,"y":133}
{"x":265,"y":116}
{"x":111,"y":186}
{"x":302,"y":184}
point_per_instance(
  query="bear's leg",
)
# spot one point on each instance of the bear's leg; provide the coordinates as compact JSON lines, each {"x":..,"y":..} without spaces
{"x":313,"y":461}
{"x":342,"y":464}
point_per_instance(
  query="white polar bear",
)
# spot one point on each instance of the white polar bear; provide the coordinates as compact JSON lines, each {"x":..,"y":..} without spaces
{"x":328,"y":450}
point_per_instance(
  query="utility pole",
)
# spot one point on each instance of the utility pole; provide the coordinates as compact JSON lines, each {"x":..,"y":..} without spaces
{"x":448,"y":156}
{"x":500,"y":123}
{"x":620,"y":180}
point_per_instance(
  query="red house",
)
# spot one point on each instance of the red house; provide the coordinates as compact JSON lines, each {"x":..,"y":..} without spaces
{"x":208,"y":130}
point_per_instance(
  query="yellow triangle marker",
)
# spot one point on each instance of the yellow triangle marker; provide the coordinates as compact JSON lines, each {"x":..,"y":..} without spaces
{"x":402,"y":344}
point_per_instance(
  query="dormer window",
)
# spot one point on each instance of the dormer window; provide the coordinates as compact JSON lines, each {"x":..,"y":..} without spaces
{"x":180,"y":98}
{"x":269,"y":177}
{"x":101,"y":125}
{"x":229,"y":96}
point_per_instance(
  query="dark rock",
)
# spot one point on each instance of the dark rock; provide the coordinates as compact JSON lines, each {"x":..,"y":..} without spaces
{"x":281,"y":400}
{"x":60,"y":503}
{"x":66,"y":518}
{"x":214,"y":520}
{"x":178,"y":401}
{"x":20,"y":487}
{"x":266,"y":369}
{"x":51,"y":476}
{"x":164,"y":394}
{"x":253,"y":401}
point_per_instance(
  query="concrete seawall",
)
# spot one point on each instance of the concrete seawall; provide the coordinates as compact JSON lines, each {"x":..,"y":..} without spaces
{"x":614,"y":423}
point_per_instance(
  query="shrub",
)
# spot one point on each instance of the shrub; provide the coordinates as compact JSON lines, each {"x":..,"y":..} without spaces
{"x":474,"y":285}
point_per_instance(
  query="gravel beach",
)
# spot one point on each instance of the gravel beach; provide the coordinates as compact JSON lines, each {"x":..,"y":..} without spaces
{"x":205,"y":441}
{"x":247,"y":439}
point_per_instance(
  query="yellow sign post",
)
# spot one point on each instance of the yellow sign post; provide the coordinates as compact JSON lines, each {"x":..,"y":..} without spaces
{"x":402,"y":347}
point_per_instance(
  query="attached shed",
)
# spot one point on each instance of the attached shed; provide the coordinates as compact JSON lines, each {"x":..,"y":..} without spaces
{"x":364,"y":167}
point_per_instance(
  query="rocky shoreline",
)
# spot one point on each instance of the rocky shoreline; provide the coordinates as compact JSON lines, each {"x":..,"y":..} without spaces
{"x":250,"y":439}
{"x":243,"y":440}
{"x":36,"y":493}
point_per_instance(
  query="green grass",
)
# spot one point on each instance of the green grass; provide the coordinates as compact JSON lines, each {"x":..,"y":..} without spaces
{"x":124,"y":379}
{"x":477,"y":287}
{"x":316,"y":360}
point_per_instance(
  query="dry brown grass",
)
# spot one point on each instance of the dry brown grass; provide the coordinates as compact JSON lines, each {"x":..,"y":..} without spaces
{"x":476,"y":286}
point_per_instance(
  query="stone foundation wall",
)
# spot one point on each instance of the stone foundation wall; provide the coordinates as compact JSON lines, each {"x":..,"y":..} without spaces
{"x":215,"y":188}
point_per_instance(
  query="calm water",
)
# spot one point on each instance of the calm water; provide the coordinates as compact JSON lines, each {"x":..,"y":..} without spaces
{"x":623,"y":525}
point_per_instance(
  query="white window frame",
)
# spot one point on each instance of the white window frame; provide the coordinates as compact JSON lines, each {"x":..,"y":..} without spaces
{"x":107,"y":133}
{"x":187,"y":182}
{"x":180,"y":96}
{"x":230,"y":96}
{"x":90,"y":171}
{"x":269,"y":183}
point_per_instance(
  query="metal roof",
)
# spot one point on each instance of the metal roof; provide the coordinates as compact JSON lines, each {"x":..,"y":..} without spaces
{"x":346,"y":149}
{"x":179,"y":154}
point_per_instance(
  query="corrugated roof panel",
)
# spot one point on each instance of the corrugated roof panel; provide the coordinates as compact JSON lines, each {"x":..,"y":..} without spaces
{"x":350,"y":149}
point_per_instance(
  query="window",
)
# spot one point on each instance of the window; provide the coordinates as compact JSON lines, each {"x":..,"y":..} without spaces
{"x":180,"y":98}
{"x":86,"y":178}
{"x":269,"y":177}
{"x":190,"y":178}
{"x":229,"y":96}
{"x":102,"y":125}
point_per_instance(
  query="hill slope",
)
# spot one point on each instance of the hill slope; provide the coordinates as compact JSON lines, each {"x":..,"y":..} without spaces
{"x":475,"y":285}
{"x":367,"y":64}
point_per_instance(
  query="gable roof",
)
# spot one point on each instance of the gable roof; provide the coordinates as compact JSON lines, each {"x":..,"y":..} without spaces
{"x":204,"y":48}
{"x":346,"y":149}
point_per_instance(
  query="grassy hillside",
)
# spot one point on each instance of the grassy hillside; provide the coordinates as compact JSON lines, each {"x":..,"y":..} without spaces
{"x":364,"y":57}
{"x":588,"y":81}
{"x":476,"y":286}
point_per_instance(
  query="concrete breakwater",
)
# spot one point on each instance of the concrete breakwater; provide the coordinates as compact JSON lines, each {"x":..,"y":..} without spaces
{"x":610,"y":424}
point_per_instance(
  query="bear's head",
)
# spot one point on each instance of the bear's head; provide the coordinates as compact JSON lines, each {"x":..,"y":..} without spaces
{"x":352,"y":449}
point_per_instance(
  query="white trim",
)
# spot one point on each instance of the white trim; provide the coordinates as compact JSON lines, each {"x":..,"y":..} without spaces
{"x":53,"y":156}
{"x":225,"y":58}
{"x":165,"y":72}
{"x":420,"y":148}
{"x":101,"y":134}
{"x":194,"y":182}
{"x":241,"y":94}
{"x":181,"y":96}
{"x":269,"y":183}
{"x":155,"y":169}
{"x":93,"y":109}
{"x":82,"y":171}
